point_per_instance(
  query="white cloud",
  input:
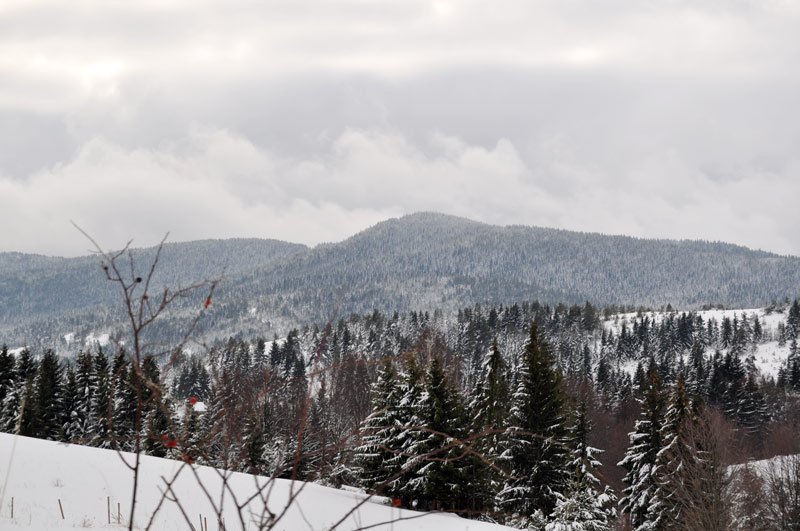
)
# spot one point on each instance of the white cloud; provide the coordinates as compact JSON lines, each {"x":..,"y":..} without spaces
{"x":670,"y":119}
{"x":217,"y":184}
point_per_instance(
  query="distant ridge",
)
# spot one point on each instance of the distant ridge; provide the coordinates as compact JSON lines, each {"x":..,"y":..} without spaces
{"x":420,"y":261}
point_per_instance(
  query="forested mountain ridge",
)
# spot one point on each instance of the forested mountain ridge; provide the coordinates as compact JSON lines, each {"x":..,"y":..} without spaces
{"x":421,"y":261}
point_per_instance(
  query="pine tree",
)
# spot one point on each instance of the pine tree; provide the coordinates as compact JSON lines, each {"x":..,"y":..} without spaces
{"x":49,"y":397}
{"x":190,"y":434}
{"x":6,"y":372}
{"x":253,"y":447}
{"x":213,"y":433}
{"x":587,"y":505}
{"x":641,"y":458}
{"x":489,"y":414}
{"x":374,"y":458}
{"x":537,"y":454}
{"x":412,"y":387}
{"x":81,"y":417}
{"x":793,"y":321}
{"x":12,"y":392}
{"x":126,"y":402}
{"x":102,"y":405}
{"x":10,"y":410}
{"x":315,"y":458}
{"x":437,"y":479}
{"x":156,"y":412}
{"x":72,"y":425}
{"x":673,"y":461}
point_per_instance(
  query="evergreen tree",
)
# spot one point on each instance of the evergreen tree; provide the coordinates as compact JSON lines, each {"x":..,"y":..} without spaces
{"x":126,"y":403}
{"x":673,"y":461}
{"x":641,"y":459}
{"x":587,"y":505}
{"x":49,"y":395}
{"x":6,"y":372}
{"x":253,"y":447}
{"x":437,"y":479}
{"x":375,"y":461}
{"x":23,"y":406}
{"x":489,"y":413}
{"x":72,"y":425}
{"x":81,"y":416}
{"x":536,"y":453}
{"x":156,"y":413}
{"x":102,"y":405}
{"x":793,"y":321}
{"x":412,"y":387}
{"x":213,"y":433}
{"x":315,"y":458}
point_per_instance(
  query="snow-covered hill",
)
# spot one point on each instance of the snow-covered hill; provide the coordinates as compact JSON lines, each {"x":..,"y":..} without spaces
{"x":769,"y":356}
{"x":89,"y":481}
{"x":423,"y":261}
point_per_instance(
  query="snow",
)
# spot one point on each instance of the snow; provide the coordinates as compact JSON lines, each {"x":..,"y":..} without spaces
{"x":86,"y":480}
{"x":768,"y":356}
{"x":102,"y":339}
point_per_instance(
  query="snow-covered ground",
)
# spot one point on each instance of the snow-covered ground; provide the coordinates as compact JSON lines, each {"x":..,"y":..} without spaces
{"x":768,"y":356}
{"x":87,"y":481}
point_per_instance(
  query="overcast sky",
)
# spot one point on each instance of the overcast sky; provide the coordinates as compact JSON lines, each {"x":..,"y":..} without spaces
{"x":309,"y":121}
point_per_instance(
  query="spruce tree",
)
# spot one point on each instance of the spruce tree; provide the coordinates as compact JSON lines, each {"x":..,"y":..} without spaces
{"x":536,"y":451}
{"x":587,"y":505}
{"x":437,"y":479}
{"x":6,"y":372}
{"x":641,"y":458}
{"x":253,"y":447}
{"x":126,"y":403}
{"x":72,"y":424}
{"x":81,"y":417}
{"x":102,"y":403}
{"x":374,"y":459}
{"x":489,"y":415}
{"x":674,"y":459}
{"x":213,"y":432}
{"x":412,"y":387}
{"x":49,"y":396}
{"x":315,"y":458}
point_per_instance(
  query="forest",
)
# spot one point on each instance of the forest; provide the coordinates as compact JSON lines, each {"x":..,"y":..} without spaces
{"x":535,"y":416}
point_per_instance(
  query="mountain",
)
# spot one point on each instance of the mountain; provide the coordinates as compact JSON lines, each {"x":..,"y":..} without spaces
{"x":420,"y":261}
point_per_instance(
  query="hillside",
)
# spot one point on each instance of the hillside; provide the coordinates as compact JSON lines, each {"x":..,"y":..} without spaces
{"x":85,"y":479}
{"x":422,"y":261}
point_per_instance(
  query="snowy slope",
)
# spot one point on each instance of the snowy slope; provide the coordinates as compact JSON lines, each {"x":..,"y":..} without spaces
{"x":85,"y":479}
{"x":768,"y":356}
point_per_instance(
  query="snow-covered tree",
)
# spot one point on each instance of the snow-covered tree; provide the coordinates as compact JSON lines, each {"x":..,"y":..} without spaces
{"x":437,"y":480}
{"x":640,"y":501}
{"x":374,"y":455}
{"x":587,"y":505}
{"x":536,"y":451}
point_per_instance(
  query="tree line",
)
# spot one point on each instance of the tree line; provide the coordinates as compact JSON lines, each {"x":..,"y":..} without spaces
{"x":487,"y":413}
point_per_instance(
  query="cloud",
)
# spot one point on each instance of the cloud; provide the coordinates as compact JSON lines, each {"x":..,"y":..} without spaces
{"x":215,"y":183}
{"x":310,"y":120}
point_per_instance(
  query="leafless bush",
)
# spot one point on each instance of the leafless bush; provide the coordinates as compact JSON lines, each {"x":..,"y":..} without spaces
{"x":704,"y":493}
{"x":783,"y":492}
{"x":749,"y":504}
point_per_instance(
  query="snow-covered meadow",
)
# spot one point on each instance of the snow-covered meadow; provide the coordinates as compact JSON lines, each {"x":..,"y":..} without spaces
{"x":768,"y":355}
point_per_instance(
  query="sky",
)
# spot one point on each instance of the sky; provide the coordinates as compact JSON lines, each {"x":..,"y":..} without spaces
{"x":309,"y":121}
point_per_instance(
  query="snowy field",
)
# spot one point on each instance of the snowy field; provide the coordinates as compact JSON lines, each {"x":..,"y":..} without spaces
{"x":90,"y":482}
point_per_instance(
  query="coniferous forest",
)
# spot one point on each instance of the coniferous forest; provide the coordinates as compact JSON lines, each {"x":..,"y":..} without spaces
{"x":562,"y":417}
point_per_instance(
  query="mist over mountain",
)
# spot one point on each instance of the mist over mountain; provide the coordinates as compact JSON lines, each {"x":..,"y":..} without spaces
{"x":420,"y":261}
